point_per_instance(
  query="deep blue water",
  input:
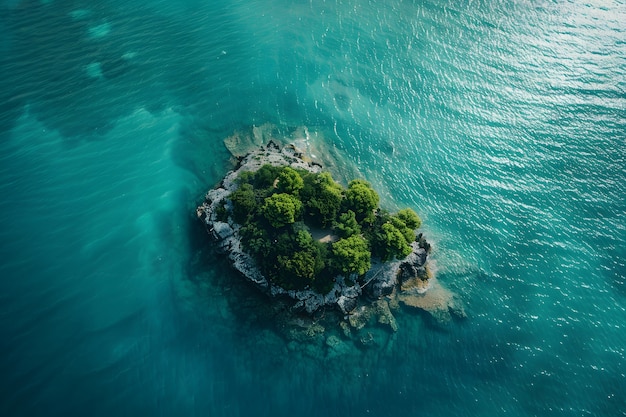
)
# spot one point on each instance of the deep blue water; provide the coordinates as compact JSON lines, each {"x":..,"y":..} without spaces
{"x":502,"y":123}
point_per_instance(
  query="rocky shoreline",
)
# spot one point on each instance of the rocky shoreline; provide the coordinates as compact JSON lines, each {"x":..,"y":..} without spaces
{"x":406,"y":281}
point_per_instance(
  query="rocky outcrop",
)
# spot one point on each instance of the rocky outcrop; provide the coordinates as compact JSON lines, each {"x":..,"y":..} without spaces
{"x":432,"y":297}
{"x":346,"y":292}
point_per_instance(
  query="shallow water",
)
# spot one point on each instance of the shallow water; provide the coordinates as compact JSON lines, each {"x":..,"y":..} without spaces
{"x":501,"y":123}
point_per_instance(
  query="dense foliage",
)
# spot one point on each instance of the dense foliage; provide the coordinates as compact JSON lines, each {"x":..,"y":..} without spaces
{"x":278,"y":207}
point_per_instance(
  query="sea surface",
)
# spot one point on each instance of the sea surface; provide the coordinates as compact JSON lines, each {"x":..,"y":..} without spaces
{"x":502,"y":123}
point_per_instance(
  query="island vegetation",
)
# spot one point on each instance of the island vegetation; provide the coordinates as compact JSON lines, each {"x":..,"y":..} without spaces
{"x":315,"y":246}
{"x":280,"y":209}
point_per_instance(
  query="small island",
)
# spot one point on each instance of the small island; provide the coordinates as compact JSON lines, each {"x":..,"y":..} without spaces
{"x":296,"y":233}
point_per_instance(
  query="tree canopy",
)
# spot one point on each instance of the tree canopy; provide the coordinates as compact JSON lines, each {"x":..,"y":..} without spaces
{"x":346,"y":225}
{"x":281,"y":209}
{"x":410,"y":218}
{"x":352,"y":255}
{"x":244,"y":202}
{"x":322,"y":197}
{"x":289,"y":181}
{"x":278,"y":206}
{"x":362,"y":199}
{"x":392,"y":242}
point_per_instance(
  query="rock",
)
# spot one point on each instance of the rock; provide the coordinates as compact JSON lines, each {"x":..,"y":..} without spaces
{"x":306,"y":333}
{"x":244,"y":263}
{"x":384,"y":315}
{"x":336,"y":347}
{"x":347,"y":304}
{"x":345,"y":327}
{"x":240,"y":142}
{"x":437,"y":300}
{"x":393,"y":302}
{"x":313,"y":303}
{"x":222,"y":230}
{"x":348,"y":298}
{"x":332,"y":341}
{"x":360,"y":317}
{"x":413,"y":265}
{"x":371,"y":339}
{"x":381,"y":279}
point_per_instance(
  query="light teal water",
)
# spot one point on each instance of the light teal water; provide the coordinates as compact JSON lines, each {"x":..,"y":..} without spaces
{"x":501,"y":123}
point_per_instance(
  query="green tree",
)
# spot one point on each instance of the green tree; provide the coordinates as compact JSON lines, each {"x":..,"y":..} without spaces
{"x":244,"y":203}
{"x":347,"y":225}
{"x":362,"y":199}
{"x":256,"y":241}
{"x":303,"y":239}
{"x":297,"y":268}
{"x":298,"y":260}
{"x":410,"y":218}
{"x":289,"y":181}
{"x":246,"y":177}
{"x":265,"y":176}
{"x":281,"y":209}
{"x":389,"y":242}
{"x":352,"y":255}
{"x":322,"y":196}
{"x":407,"y":232}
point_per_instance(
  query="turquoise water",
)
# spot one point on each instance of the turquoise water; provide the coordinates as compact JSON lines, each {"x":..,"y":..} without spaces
{"x":502,"y":123}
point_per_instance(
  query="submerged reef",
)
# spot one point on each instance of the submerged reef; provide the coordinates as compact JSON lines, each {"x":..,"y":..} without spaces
{"x":300,"y":237}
